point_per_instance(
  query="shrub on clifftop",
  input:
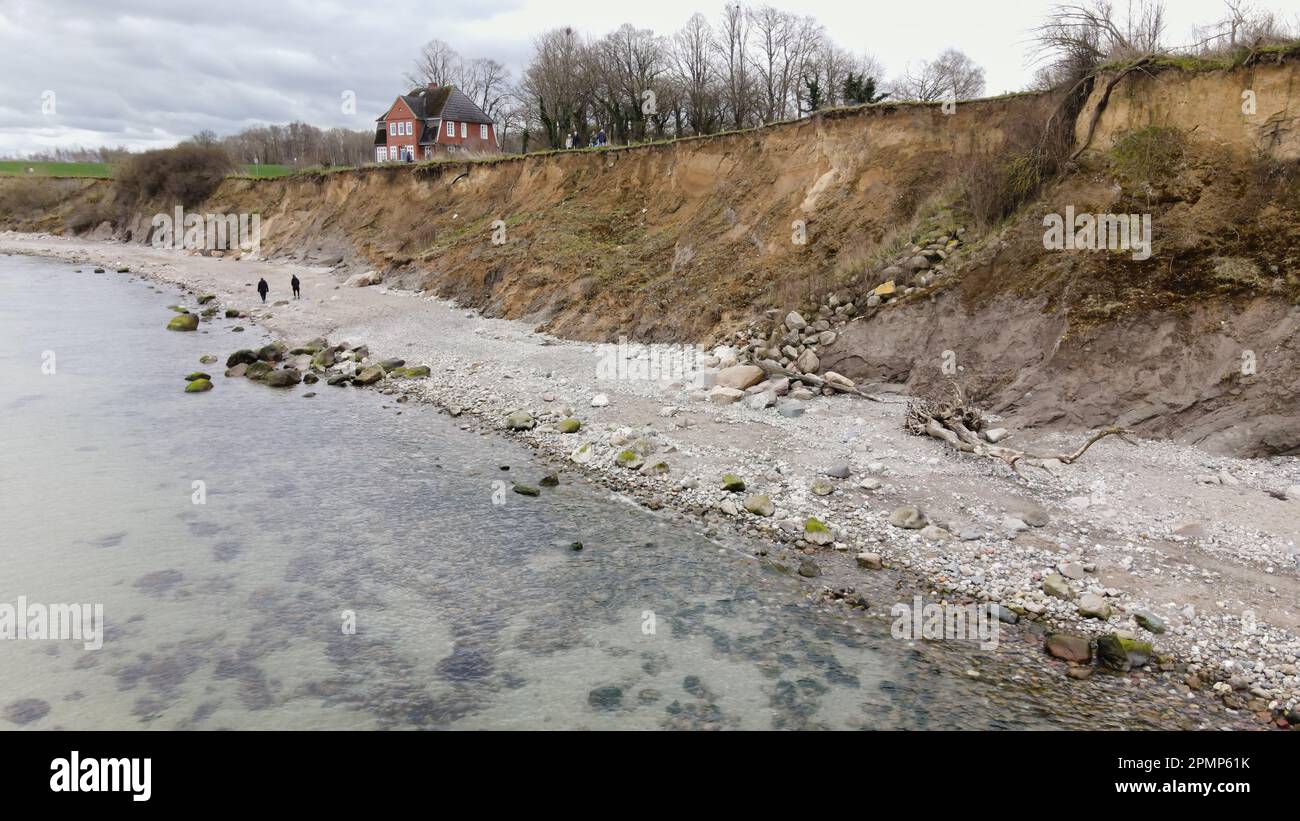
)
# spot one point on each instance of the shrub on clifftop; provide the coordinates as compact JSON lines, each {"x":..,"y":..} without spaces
{"x":185,"y":175}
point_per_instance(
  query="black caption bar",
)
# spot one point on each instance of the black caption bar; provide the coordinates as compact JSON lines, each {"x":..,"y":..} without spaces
{"x":140,"y":772}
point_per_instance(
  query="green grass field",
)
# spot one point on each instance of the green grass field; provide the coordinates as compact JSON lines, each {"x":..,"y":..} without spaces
{"x":55,"y":169}
{"x":102,"y":170}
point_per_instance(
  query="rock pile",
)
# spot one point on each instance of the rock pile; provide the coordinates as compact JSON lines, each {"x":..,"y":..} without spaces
{"x":280,"y":366}
{"x":795,"y":343}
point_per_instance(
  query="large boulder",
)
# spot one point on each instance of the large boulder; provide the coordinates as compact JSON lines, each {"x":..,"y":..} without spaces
{"x":241,"y":357}
{"x":759,"y":504}
{"x":369,"y":376}
{"x":199,"y":385}
{"x":908,"y":517}
{"x":184,"y":322}
{"x":815,"y":531}
{"x":283,"y":378}
{"x":1068,"y":647}
{"x":808,"y":361}
{"x":725,"y":396}
{"x":1123,"y":653}
{"x":521,"y":420}
{"x":740,"y":377}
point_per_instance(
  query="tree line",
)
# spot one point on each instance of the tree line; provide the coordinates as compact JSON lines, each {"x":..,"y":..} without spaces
{"x":752,"y":65}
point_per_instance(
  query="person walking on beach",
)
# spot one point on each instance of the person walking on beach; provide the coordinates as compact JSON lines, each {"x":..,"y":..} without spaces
{"x":262,"y":288}
{"x":294,"y":283}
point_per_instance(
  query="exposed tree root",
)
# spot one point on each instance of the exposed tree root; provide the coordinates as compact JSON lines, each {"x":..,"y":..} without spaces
{"x":958,"y":424}
{"x":1138,"y":65}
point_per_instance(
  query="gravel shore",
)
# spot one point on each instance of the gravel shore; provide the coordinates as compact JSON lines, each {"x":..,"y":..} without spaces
{"x":1202,"y":549}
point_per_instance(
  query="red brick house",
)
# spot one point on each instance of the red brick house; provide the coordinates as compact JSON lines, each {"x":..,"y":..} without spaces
{"x":431,"y":121}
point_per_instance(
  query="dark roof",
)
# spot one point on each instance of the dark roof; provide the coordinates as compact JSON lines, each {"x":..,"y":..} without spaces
{"x":444,"y":102}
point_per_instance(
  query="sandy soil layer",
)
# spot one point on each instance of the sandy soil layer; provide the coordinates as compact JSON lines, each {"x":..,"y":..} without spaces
{"x":1209,"y":545}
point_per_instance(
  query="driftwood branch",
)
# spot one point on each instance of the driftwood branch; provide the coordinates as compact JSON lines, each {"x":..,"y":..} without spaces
{"x":772,"y":369}
{"x":958,"y":425}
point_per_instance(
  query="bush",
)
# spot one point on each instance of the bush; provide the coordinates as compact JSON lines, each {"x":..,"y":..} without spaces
{"x":993,"y":185}
{"x":1149,"y":154}
{"x":88,"y":215}
{"x":185,"y":175}
{"x":23,"y":198}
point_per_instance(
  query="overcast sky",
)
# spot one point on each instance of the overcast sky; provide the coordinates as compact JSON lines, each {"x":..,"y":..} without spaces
{"x":147,"y":73}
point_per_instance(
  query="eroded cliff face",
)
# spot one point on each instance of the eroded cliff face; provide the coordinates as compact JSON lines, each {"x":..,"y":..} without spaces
{"x":1198,"y":342}
{"x":693,"y":240}
{"x":663,"y":242}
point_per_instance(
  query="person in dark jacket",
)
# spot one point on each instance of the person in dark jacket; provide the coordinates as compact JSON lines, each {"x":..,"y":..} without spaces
{"x":295,"y":284}
{"x":262,"y":288}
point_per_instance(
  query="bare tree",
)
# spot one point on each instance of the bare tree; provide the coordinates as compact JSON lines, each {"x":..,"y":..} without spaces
{"x":693,"y":49}
{"x":556,"y":85}
{"x":1076,"y":38}
{"x":437,"y":63}
{"x":951,"y":76}
{"x":487,"y":83}
{"x":732,"y":45}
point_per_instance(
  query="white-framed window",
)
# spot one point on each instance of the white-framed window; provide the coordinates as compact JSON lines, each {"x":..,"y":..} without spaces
{"x":392,"y":129}
{"x":451,"y":129}
{"x":482,"y":131}
{"x":464,"y":130}
{"x":381,"y":154}
{"x":408,"y":127}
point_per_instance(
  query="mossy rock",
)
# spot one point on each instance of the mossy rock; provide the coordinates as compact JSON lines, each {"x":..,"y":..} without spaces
{"x":322,"y":359}
{"x":817,"y":532}
{"x":184,"y":322}
{"x":283,"y":378}
{"x":521,"y":420}
{"x":207,"y":359}
{"x":527,"y":490}
{"x":232,"y":313}
{"x":760,"y":504}
{"x":197,"y":375}
{"x":391,"y":364}
{"x":199,"y":385}
{"x":569,"y":425}
{"x":272,"y":352}
{"x":733,"y":483}
{"x":208,"y":312}
{"x":658,"y":468}
{"x":550,"y":480}
{"x":238,"y":329}
{"x":241,"y":357}
{"x":204,"y":299}
{"x":416,"y":372}
{"x":1122,"y":653}
{"x":178,"y":309}
{"x":629,"y":459}
{"x":258,"y":370}
{"x":369,"y":376}
{"x":304,"y":350}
